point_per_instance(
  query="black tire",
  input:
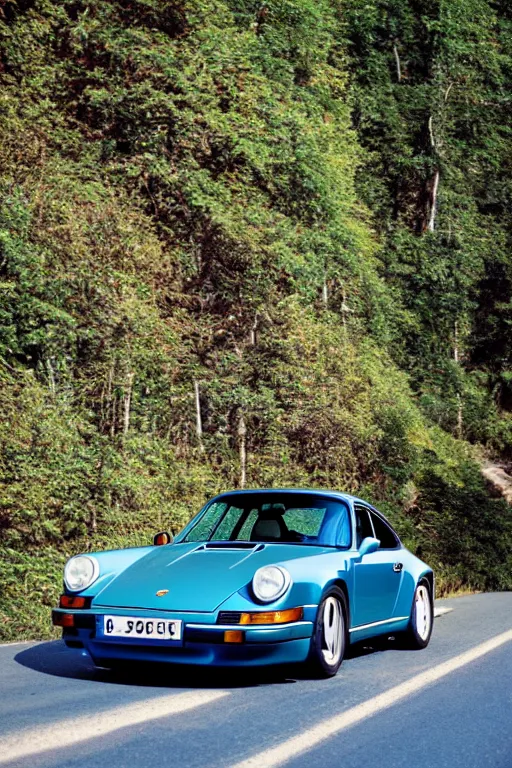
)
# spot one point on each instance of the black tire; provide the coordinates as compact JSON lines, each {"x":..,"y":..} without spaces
{"x":418,"y":637}
{"x":321,"y":663}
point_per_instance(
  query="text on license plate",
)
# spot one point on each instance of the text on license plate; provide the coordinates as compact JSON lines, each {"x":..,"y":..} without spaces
{"x":133,"y":626}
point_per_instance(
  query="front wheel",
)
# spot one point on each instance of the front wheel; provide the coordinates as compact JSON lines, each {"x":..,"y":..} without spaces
{"x":421,"y":623}
{"x":329,"y":638}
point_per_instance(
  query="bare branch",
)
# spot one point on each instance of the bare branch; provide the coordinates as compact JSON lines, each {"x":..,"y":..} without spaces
{"x":447,"y":92}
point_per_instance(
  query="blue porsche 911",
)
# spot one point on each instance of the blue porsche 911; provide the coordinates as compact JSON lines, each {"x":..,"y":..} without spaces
{"x":256,"y":578}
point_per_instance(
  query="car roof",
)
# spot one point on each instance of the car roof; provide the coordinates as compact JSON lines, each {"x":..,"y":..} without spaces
{"x":308,"y":491}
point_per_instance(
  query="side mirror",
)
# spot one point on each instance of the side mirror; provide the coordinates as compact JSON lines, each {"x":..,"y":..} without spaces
{"x":368,"y":545}
{"x":162,"y":538}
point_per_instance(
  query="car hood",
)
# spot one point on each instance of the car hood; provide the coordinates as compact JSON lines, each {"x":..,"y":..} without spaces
{"x":199,"y":577}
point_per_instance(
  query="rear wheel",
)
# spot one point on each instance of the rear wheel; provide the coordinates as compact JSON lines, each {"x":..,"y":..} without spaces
{"x":329,"y":639}
{"x":421,"y":623}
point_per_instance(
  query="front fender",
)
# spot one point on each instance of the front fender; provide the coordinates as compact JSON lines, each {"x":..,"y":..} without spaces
{"x":310,"y":577}
{"x":112,"y":562}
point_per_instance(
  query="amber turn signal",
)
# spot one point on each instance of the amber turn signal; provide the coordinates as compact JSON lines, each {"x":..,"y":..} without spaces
{"x":63,"y":619}
{"x":233,"y":636}
{"x":272,"y":617}
{"x":72,"y":601}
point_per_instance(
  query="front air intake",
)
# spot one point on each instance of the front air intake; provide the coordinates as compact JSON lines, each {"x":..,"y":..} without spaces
{"x":229,"y":617}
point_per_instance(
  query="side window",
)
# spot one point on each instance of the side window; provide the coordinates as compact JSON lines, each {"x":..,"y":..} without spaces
{"x":384,"y":533}
{"x":363,"y":525}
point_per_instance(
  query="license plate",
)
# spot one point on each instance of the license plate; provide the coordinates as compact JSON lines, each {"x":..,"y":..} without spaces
{"x":135,"y":627}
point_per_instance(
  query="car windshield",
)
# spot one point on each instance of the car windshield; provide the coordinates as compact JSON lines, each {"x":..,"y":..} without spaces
{"x":291,"y":518}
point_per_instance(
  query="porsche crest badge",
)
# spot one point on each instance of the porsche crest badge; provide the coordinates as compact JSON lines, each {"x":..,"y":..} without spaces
{"x":162,"y":592}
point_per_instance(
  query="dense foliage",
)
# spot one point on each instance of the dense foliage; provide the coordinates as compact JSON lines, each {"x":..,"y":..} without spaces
{"x":251,"y":242}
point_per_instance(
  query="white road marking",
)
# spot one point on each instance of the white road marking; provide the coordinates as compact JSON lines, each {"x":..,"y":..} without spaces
{"x":313,"y":736}
{"x":441,"y":612}
{"x":67,"y":733}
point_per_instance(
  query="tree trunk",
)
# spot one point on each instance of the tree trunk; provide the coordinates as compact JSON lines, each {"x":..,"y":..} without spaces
{"x":111,"y":402}
{"x":345,"y":309}
{"x":93,"y":523}
{"x":199,"y":423}
{"x":254,"y":328}
{"x":435,"y":186}
{"x":433,"y":204}
{"x":242,"y":432}
{"x":51,"y":377}
{"x":397,"y":60}
{"x":127,"y":403}
{"x":325,"y":292}
{"x":456,"y":357}
{"x":459,"y":416}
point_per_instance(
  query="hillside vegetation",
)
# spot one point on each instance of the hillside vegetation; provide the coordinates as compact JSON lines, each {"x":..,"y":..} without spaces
{"x":250,"y":242}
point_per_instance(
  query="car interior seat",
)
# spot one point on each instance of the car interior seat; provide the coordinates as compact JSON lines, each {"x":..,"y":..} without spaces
{"x":269,"y":526}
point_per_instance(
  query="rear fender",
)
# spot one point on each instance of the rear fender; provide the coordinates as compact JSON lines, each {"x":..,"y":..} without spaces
{"x":414,"y":570}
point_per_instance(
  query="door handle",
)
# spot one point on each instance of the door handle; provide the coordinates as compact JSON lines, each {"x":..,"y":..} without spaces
{"x":397,"y":567}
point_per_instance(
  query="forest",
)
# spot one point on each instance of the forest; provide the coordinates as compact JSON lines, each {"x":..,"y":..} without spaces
{"x":252,"y":243}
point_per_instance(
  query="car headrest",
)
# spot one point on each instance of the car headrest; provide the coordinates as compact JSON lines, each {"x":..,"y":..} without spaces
{"x":266,"y":529}
{"x":271,"y":511}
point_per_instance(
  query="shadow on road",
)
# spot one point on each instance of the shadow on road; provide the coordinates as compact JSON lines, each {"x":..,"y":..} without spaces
{"x":374,"y":645}
{"x":53,"y":658}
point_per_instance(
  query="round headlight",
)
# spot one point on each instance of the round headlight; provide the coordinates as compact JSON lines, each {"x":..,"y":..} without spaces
{"x":270,"y":582}
{"x":80,"y":572}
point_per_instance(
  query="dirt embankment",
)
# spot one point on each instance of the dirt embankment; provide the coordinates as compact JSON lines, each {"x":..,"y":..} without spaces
{"x":499,"y":478}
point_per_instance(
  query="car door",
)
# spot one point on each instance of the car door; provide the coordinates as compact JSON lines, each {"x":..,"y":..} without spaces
{"x":377,"y":575}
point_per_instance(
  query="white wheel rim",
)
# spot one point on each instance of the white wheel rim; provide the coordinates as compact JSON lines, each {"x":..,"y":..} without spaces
{"x":423,"y":611}
{"x":332,"y":629}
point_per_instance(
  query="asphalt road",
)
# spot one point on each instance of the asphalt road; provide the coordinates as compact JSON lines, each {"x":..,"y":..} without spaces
{"x":385,"y":708}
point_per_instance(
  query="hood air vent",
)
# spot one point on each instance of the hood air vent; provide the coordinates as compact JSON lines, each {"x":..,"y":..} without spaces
{"x":230,"y":545}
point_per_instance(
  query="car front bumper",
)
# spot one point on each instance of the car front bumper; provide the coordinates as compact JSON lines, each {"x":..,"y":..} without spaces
{"x":201,"y":643}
